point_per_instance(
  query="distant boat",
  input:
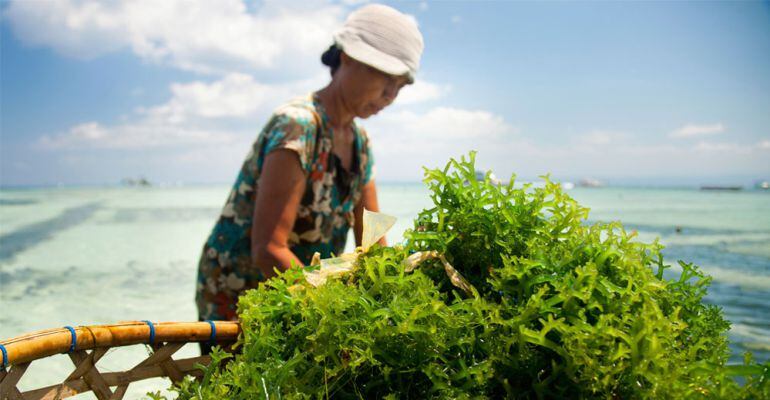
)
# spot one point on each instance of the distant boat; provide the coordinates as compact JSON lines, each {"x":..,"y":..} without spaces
{"x":590,"y":183}
{"x":762,"y":185}
{"x":141,"y":181}
{"x":719,"y":187}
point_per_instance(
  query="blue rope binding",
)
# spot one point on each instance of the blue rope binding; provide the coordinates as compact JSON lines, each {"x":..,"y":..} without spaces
{"x":74,"y":338}
{"x":213,"y":331}
{"x":5,"y":356}
{"x":152,"y":330}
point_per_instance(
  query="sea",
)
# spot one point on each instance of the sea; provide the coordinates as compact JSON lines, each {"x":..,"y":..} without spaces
{"x":86,"y":256}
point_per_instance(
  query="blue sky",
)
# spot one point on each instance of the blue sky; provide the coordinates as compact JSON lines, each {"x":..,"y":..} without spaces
{"x":176,"y":91}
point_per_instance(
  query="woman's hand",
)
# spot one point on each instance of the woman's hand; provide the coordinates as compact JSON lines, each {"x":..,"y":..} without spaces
{"x":368,"y":201}
{"x":279,"y":191}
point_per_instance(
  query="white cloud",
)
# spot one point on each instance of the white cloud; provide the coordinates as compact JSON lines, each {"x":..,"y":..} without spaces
{"x":201,"y":36}
{"x":239,"y":95}
{"x":198,"y":114}
{"x":442,"y":123}
{"x":83,"y":30}
{"x":405,"y":141}
{"x":692,"y":130}
{"x":423,"y":6}
{"x":456,"y":19}
{"x":236,"y":95}
{"x":205,"y":113}
{"x":141,"y":135}
{"x":622,"y":160}
{"x":421,"y":91}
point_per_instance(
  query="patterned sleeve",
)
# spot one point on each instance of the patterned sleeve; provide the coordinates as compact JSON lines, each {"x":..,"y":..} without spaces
{"x":293,"y":128}
{"x":367,"y":158}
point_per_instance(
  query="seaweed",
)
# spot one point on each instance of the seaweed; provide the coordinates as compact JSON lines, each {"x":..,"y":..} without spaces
{"x":558,"y":309}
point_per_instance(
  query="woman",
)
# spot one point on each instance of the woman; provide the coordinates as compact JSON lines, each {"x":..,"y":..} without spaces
{"x":310,"y":173}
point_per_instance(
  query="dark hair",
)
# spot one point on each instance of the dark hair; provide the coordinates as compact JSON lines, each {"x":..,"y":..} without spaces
{"x":331,"y":58}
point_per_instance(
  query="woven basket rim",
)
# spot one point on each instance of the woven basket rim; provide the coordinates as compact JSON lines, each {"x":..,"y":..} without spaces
{"x":43,"y":343}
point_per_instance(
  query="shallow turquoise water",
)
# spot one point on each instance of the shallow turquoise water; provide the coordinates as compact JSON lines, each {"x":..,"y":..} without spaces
{"x":96,"y":255}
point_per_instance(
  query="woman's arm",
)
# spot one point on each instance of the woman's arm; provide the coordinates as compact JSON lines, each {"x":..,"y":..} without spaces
{"x":279,"y":192}
{"x":368,"y":201}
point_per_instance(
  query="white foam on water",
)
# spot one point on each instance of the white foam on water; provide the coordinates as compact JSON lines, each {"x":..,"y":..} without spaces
{"x":741,"y":278}
{"x":751,"y":334}
{"x":760,"y":249}
{"x":717,"y":239}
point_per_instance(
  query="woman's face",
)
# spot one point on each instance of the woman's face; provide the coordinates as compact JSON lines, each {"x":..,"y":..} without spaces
{"x":366,"y":90}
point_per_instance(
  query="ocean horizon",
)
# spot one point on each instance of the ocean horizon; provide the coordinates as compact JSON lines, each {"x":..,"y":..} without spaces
{"x":745,"y":183}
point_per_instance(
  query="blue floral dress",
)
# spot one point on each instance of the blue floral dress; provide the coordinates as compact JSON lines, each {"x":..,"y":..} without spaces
{"x":324,"y":216}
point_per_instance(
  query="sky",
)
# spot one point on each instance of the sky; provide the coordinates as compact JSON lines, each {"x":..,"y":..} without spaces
{"x":648,"y":93}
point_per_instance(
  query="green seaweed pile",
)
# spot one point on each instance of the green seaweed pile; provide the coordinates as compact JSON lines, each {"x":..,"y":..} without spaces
{"x":557,"y":309}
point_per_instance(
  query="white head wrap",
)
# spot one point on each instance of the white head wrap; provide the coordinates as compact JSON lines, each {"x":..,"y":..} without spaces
{"x":383,"y":38}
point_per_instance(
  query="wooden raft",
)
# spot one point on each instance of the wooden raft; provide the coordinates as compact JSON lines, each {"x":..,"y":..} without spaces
{"x":93,"y":342}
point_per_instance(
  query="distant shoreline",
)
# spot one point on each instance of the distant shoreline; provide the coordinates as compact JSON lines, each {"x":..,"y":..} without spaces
{"x":673,"y":186}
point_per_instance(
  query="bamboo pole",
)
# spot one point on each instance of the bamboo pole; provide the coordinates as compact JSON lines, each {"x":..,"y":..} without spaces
{"x":36,"y":345}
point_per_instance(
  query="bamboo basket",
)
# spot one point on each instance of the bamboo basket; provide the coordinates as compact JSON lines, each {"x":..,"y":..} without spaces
{"x":85,"y":345}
